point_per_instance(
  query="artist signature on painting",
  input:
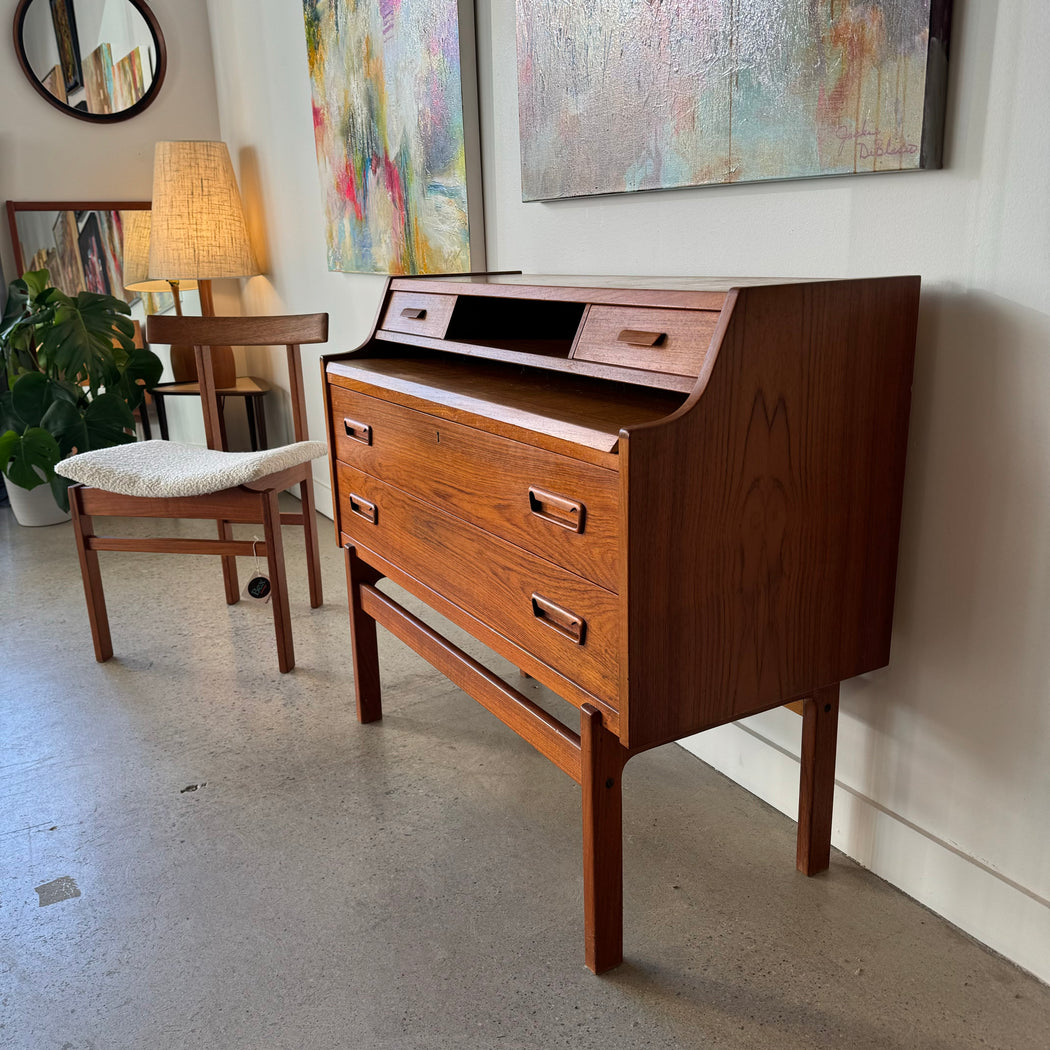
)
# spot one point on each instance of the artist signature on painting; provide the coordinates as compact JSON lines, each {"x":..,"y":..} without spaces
{"x":870,"y":143}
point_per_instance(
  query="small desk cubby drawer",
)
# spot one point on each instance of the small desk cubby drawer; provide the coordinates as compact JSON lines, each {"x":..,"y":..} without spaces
{"x":648,"y":338}
{"x":418,"y":313}
{"x":566,"y":621}
{"x":560,"y":508}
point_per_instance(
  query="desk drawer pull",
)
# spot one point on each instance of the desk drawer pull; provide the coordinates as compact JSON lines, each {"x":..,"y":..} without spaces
{"x":358,"y":431}
{"x":636,"y":338}
{"x":363,"y":509}
{"x":561,"y":620}
{"x":568,"y":513}
{"x":414,"y":313}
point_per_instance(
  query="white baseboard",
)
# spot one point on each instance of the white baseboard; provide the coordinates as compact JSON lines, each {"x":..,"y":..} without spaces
{"x":1000,"y":913}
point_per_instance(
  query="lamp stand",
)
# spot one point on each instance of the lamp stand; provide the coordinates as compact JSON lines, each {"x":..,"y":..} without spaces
{"x":183,"y":360}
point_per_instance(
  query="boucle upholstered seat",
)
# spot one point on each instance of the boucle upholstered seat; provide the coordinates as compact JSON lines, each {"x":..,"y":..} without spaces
{"x":162,"y":479}
{"x":167,"y":468}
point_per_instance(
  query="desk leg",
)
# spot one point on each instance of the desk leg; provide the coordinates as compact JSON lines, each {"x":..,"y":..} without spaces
{"x":249,"y":411}
{"x":162,"y":415}
{"x":602,"y":770}
{"x":820,"y":718}
{"x":260,"y":419}
{"x":363,"y":645}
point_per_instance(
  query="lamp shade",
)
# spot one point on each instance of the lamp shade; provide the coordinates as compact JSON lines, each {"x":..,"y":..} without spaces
{"x":198,"y":230}
{"x":136,"y":227}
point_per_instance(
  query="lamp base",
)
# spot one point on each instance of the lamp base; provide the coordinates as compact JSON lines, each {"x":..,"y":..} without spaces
{"x":184,"y":365}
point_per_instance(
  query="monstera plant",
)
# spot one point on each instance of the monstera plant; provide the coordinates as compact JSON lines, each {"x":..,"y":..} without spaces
{"x":70,"y":379}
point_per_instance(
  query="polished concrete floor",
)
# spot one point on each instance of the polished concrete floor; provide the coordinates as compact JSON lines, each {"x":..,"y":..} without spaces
{"x":196,"y":851}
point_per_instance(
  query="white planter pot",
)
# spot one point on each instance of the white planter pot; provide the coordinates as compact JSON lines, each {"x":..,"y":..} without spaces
{"x":34,"y":506}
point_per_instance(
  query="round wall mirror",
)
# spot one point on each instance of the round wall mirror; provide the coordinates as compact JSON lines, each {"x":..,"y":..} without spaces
{"x":98,"y":60}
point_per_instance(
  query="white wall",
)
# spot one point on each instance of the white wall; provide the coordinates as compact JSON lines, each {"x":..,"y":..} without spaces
{"x":944,"y":758}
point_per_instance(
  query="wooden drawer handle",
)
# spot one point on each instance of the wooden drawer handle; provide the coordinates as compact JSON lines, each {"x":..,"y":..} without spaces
{"x":358,"y":431}
{"x":560,"y":510}
{"x":414,"y":313}
{"x":636,"y":338}
{"x":363,"y":509}
{"x":561,"y":620}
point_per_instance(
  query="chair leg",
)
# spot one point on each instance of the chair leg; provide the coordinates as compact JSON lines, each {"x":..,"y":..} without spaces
{"x":89,"y":570}
{"x":282,"y":619}
{"x":229,"y":567}
{"x":820,"y":718}
{"x":363,"y":644}
{"x":313,"y":554}
{"x":603,"y":760}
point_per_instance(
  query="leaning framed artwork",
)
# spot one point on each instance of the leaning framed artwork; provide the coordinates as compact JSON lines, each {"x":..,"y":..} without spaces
{"x":628,"y":96}
{"x":395,"y":127}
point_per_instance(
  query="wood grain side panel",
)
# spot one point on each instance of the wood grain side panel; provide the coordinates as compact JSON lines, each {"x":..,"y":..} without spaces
{"x":492,"y":580}
{"x":486,"y":480}
{"x":762,"y":521}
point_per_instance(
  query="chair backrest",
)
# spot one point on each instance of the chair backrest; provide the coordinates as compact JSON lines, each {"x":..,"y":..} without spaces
{"x":202,"y":333}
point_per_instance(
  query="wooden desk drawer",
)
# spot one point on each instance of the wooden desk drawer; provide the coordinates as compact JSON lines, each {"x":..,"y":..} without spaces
{"x":418,"y":313}
{"x":568,"y":622}
{"x":559,"y":508}
{"x":654,"y":340}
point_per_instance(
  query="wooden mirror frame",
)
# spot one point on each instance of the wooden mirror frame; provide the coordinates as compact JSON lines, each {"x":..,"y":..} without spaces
{"x":14,"y":207}
{"x":72,"y":111}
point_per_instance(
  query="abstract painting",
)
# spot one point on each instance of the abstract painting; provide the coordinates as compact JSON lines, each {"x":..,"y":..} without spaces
{"x":616,"y":95}
{"x":64,"y":20}
{"x":93,"y":256}
{"x":387,"y":78}
{"x":55,"y":84}
{"x":68,"y":274}
{"x":128,"y":82}
{"x":111,"y":229}
{"x":98,"y":79}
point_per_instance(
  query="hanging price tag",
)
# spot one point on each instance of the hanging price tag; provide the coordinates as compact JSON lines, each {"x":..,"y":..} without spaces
{"x":258,"y":587}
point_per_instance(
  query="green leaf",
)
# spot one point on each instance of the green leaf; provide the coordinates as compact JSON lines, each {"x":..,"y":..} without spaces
{"x":30,"y":397}
{"x":66,"y":424}
{"x":33,"y":454}
{"x":37,"y":281}
{"x":8,"y":419}
{"x":8,"y":440}
{"x":107,"y":420}
{"x":144,"y":366}
{"x":60,"y":490}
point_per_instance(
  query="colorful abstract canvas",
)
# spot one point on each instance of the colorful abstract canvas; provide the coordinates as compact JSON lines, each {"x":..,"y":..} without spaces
{"x":68,"y":273}
{"x":128,"y":82}
{"x":64,"y":19}
{"x":111,"y":230}
{"x":389,"y":131}
{"x":98,"y":79}
{"x":93,"y":256}
{"x":618,"y":95}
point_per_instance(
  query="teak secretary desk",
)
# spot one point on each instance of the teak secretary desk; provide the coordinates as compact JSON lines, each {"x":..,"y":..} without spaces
{"x":679,"y":502}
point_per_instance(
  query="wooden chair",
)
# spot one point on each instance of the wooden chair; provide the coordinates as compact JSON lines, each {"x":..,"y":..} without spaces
{"x":164,"y":479}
